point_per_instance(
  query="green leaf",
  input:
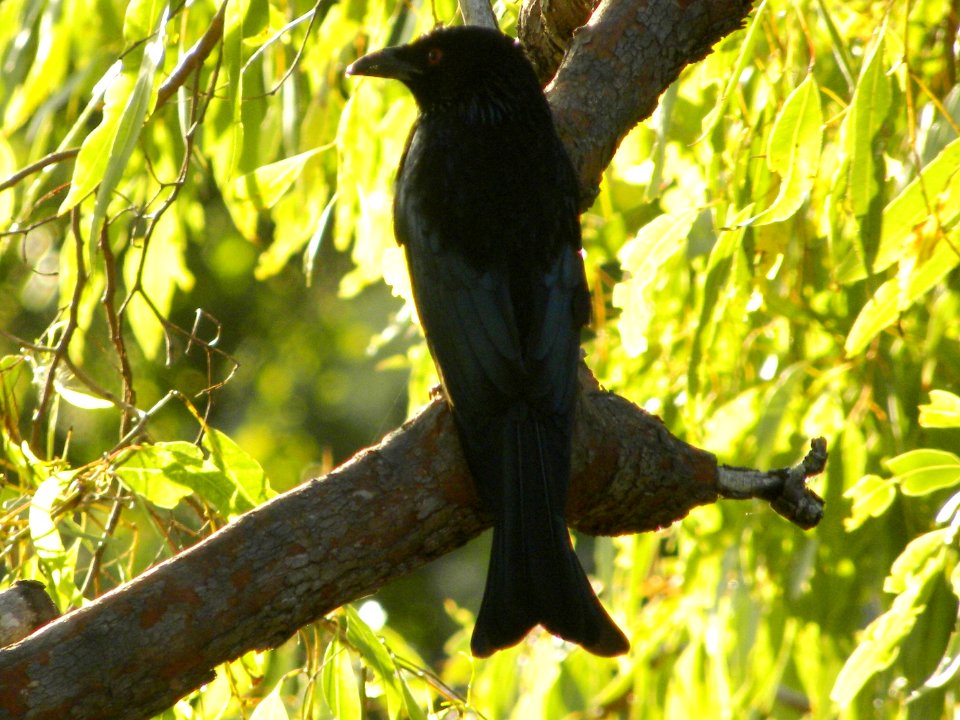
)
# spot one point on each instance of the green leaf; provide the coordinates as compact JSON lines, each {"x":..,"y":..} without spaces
{"x":161,"y":268}
{"x":922,"y":556}
{"x":878,"y":313}
{"x":265,"y":185}
{"x":232,"y":106}
{"x":942,"y":412}
{"x":141,"y":19}
{"x":910,"y":210}
{"x":880,"y":644}
{"x":43,"y":530}
{"x":339,"y":683}
{"x":871,"y":496}
{"x":323,"y":233}
{"x":746,"y":51}
{"x":14,"y":370}
{"x":95,"y":149}
{"x":48,"y":70}
{"x":8,"y":166}
{"x":793,"y":151}
{"x":719,"y":265}
{"x":641,"y":259}
{"x":399,"y":697}
{"x":159,"y":472}
{"x":164,"y":473}
{"x":949,"y":666}
{"x":80,"y":399}
{"x":865,"y":116}
{"x":271,"y":707}
{"x":142,"y":98}
{"x":240,"y":468}
{"x":897,"y":294}
{"x":923,"y":471}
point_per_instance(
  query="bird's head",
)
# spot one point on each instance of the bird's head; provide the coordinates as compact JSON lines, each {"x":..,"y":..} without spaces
{"x":455,"y":66}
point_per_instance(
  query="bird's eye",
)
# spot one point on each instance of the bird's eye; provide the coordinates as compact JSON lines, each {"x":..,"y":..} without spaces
{"x":434,"y":56}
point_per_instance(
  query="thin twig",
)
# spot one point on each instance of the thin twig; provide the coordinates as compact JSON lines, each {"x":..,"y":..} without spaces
{"x":785,"y":489}
{"x":193,"y":58}
{"x":114,"y":323}
{"x":112,"y":521}
{"x":40,"y":164}
{"x":46,"y":394}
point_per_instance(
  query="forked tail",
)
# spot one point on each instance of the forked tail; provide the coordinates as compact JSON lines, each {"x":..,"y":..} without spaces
{"x":534,"y":576}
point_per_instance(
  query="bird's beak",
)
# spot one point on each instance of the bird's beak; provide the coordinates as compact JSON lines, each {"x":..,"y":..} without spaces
{"x":386,"y":63}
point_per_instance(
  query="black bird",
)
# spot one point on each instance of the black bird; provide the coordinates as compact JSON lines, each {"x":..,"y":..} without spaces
{"x":486,"y":209}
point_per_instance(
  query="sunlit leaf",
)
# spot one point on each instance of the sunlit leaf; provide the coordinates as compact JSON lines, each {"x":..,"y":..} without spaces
{"x":8,"y":165}
{"x":265,"y":185}
{"x":47,"y":70}
{"x":865,"y":116}
{"x":323,"y":232}
{"x":641,"y":259}
{"x":142,"y":97}
{"x":80,"y":399}
{"x":793,"y":151}
{"x":155,"y":471}
{"x":746,"y":52}
{"x":871,"y":497}
{"x":230,"y":109}
{"x":719,"y":266}
{"x":95,"y":150}
{"x":252,"y":487}
{"x":942,"y":412}
{"x":43,"y":530}
{"x":879,"y":646}
{"x":14,"y":372}
{"x":922,"y":556}
{"x":947,"y":513}
{"x":878,"y":313}
{"x":271,"y":707}
{"x":923,"y":471}
{"x":141,"y":19}
{"x":339,"y":683}
{"x":399,"y":698}
{"x":160,"y":269}
{"x":937,"y":188}
{"x":949,"y":666}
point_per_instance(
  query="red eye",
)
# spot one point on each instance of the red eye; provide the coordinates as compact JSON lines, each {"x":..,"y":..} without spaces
{"x":434,"y":56}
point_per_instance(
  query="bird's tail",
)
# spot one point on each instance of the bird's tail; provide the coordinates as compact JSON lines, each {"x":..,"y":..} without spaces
{"x":534,"y":575}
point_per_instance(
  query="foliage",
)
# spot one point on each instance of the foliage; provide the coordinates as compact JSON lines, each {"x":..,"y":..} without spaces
{"x":773,"y":257}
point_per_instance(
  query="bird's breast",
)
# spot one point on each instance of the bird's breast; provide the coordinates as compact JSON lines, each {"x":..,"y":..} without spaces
{"x":484,"y":192}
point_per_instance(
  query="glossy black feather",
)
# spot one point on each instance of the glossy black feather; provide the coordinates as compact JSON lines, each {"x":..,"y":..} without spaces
{"x":486,"y":209}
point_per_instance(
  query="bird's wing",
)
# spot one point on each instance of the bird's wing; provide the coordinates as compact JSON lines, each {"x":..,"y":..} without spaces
{"x":488,"y":354}
{"x":470,"y":325}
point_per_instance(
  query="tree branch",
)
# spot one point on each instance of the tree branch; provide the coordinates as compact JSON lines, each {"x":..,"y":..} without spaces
{"x":478,"y":12}
{"x":390,"y":509}
{"x":618,"y":64}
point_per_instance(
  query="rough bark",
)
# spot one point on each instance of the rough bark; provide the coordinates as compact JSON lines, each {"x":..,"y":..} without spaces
{"x":546,"y":29}
{"x":24,"y":608}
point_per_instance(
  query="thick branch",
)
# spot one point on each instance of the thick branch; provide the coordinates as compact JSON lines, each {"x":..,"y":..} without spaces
{"x":619,"y":63}
{"x":390,"y":509}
